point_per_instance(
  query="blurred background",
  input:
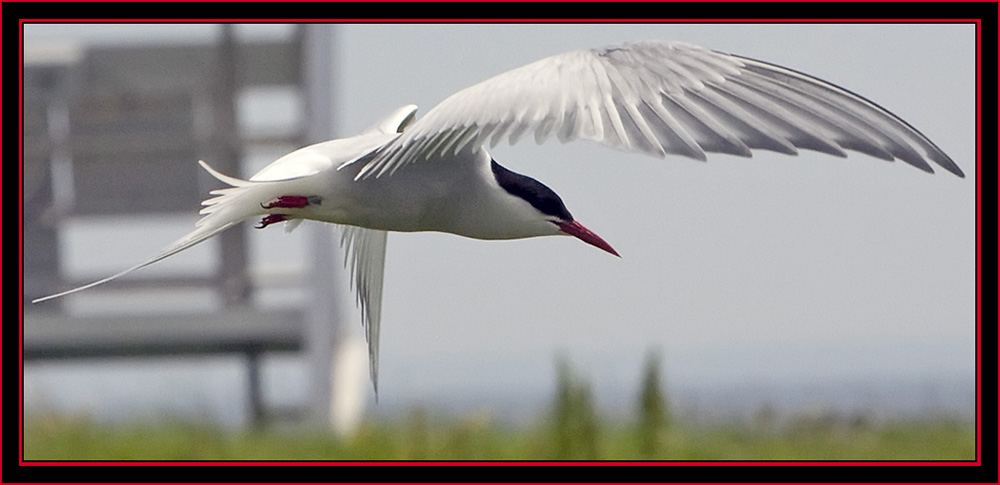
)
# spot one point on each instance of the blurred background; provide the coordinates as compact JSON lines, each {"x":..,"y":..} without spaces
{"x":791,"y":284}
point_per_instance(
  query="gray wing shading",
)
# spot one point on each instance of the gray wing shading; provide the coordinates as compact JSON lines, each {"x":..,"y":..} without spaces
{"x":364,"y":255}
{"x":661,"y":98}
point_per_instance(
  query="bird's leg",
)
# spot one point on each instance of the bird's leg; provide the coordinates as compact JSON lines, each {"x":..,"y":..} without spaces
{"x":286,"y":202}
{"x":292,"y":202}
{"x":271,"y":219}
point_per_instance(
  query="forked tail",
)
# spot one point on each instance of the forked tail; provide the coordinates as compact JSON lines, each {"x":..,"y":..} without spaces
{"x":231,"y":206}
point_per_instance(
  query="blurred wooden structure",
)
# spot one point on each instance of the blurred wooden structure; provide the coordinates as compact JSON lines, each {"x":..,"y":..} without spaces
{"x":116,"y":131}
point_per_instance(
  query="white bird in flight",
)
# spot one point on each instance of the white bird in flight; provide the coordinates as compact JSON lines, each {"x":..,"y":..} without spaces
{"x":435,"y":173}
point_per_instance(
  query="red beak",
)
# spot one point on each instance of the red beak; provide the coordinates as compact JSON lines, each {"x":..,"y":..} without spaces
{"x":577,"y":230}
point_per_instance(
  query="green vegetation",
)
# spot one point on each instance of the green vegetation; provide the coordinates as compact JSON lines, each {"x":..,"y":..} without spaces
{"x":571,"y":429}
{"x":420,"y":437}
{"x":654,"y":416}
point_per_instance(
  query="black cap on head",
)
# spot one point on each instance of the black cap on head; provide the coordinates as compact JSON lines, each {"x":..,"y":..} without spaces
{"x":534,"y":192}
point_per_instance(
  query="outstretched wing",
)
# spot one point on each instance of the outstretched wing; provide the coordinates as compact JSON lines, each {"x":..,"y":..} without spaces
{"x":659,"y":98}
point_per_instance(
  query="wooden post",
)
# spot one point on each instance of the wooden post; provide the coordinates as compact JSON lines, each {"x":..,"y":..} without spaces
{"x":234,"y":281}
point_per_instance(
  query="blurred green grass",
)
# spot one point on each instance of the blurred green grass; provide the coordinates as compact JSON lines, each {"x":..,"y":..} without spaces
{"x":418,"y":436}
{"x":570,"y":429}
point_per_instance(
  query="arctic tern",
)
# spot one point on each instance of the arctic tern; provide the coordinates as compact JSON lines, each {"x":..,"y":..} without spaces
{"x":435,"y":173}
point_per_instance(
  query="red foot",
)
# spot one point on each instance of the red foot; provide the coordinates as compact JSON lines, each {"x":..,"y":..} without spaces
{"x":271,"y":219}
{"x":290,"y":202}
